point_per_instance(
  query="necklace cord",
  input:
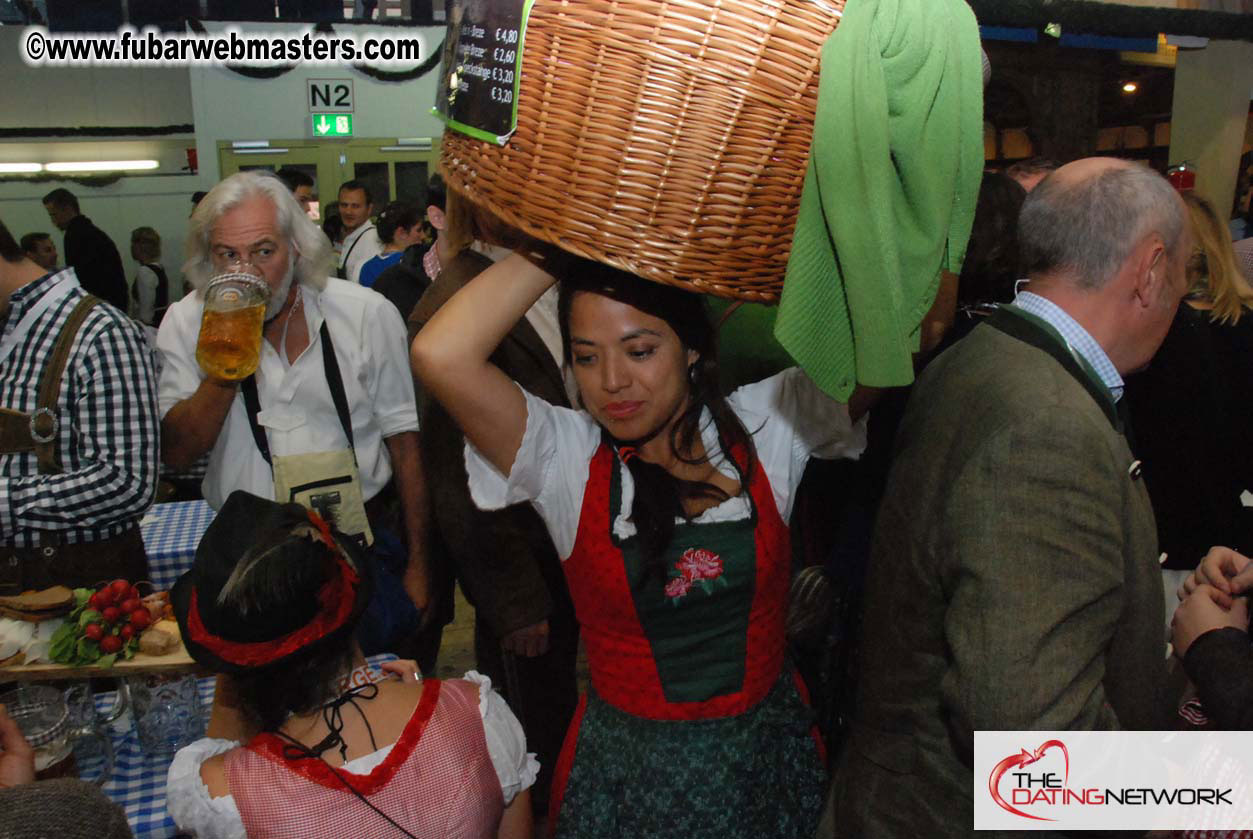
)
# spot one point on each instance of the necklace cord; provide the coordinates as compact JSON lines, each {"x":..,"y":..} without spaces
{"x":332,"y":715}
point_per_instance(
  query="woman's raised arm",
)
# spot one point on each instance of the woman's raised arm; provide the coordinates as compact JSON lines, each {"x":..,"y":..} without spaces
{"x":450,"y":356}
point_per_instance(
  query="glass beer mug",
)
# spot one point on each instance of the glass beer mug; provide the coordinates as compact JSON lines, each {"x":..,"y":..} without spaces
{"x":229,"y":347}
{"x":168,"y":712}
{"x":44,"y":719}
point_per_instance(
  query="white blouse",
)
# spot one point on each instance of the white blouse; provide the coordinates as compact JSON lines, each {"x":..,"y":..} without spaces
{"x":789,"y":418}
{"x":197,"y":813}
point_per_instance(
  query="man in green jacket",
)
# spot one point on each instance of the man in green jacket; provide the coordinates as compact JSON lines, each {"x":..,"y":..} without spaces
{"x":1014,"y":581}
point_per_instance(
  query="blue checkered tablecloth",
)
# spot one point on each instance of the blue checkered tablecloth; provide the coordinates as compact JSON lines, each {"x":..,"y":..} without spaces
{"x":171,"y":533}
{"x":137,"y":784}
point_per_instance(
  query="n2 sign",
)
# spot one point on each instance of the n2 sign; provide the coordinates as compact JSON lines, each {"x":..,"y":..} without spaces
{"x":329,"y":95}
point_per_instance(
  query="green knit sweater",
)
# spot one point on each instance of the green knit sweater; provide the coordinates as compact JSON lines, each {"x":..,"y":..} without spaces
{"x":890,"y":191}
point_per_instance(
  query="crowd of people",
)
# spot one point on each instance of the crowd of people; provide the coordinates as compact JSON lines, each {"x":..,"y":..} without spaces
{"x":441,"y":400}
{"x":97,"y":262}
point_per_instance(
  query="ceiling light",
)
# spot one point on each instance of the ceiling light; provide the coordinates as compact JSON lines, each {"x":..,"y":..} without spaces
{"x":409,"y":144}
{"x":102,"y":166}
{"x":20,"y":168}
{"x":1130,"y":87}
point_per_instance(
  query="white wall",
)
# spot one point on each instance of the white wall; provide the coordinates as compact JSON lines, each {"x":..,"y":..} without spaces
{"x":1210,"y":115}
{"x":222,"y":104}
{"x":70,"y":97}
{"x":57,"y":97}
{"x":228,"y":106}
{"x":159,"y":202}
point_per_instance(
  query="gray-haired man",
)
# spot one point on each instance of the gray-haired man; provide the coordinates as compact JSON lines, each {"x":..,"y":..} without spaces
{"x":1013,"y":581}
{"x":330,"y":414}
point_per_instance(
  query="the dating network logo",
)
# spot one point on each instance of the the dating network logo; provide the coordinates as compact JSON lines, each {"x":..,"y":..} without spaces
{"x":1117,"y":779}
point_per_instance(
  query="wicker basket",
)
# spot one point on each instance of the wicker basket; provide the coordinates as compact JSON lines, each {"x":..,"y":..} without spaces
{"x":665,"y":137}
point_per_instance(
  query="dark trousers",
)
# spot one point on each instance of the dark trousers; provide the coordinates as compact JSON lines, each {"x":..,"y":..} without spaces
{"x":541,"y":691}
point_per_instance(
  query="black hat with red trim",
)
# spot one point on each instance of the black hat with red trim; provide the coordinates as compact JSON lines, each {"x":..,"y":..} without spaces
{"x":270,"y":581}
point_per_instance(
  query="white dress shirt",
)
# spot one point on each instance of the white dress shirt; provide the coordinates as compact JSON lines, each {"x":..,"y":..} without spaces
{"x":145,"y":301}
{"x":297,"y":411}
{"x":360,"y":246}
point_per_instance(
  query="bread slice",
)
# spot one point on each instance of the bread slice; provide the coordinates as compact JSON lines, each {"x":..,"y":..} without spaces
{"x":56,"y":597}
{"x":33,"y":617}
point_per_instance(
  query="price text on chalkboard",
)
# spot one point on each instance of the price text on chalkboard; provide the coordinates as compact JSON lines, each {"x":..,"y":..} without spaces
{"x":482,"y":67}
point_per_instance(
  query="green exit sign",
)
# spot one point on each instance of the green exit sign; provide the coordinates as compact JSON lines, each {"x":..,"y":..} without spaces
{"x":332,"y":125}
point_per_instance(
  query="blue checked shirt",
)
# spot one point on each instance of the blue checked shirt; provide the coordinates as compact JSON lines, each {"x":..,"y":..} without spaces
{"x":1077,"y":338}
{"x":108,"y":429}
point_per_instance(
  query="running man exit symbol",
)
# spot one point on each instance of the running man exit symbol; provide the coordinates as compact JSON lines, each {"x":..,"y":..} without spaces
{"x":332,"y":125}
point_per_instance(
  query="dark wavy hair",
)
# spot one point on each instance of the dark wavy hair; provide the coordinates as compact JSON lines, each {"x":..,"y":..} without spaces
{"x":397,"y":215}
{"x":659,"y":495}
{"x":992,"y":264}
{"x":269,"y":695}
{"x":289,"y":577}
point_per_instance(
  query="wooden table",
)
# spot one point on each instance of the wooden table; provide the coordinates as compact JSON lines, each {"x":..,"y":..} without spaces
{"x":171,"y":533}
{"x":171,"y":664}
{"x":142,"y":664}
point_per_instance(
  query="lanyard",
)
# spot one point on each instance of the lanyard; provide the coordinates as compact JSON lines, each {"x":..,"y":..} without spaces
{"x":57,"y":291}
{"x":333,"y":380}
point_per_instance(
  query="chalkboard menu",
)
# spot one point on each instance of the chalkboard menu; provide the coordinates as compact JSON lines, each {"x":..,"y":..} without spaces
{"x":482,"y":67}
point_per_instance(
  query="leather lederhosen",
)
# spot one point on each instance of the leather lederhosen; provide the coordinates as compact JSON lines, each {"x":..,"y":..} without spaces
{"x":53,"y":562}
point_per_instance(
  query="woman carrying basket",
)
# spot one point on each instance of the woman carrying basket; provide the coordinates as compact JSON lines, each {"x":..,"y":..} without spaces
{"x":668,"y":504}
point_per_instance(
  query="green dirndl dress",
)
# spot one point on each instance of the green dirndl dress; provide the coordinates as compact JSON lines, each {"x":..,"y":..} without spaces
{"x":693,"y":726}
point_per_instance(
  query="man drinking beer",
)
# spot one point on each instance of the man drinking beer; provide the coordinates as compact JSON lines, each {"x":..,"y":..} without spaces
{"x":328,"y":419}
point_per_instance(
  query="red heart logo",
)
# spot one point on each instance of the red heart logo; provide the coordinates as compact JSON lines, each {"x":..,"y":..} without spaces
{"x":1024,"y":758}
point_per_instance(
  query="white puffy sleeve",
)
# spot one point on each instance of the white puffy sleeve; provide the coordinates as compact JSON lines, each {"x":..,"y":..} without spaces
{"x":390,"y":381}
{"x":549,"y":470}
{"x":506,"y":744}
{"x":188,"y":800}
{"x":792,"y":420}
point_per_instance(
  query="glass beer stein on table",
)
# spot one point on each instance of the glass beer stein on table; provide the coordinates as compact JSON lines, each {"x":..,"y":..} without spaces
{"x":80,"y":699}
{"x":168,"y":712}
{"x":41,"y":713}
{"x":229,"y":347}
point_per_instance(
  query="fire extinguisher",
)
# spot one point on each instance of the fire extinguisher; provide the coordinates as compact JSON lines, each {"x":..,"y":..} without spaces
{"x":1182,"y":176}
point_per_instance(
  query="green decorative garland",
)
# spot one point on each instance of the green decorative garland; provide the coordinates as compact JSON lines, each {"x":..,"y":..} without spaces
{"x":100,"y":131}
{"x":93,"y":181}
{"x":1095,"y":18}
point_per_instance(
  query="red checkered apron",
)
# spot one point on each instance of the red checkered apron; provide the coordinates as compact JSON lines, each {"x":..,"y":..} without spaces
{"x":438,"y":781}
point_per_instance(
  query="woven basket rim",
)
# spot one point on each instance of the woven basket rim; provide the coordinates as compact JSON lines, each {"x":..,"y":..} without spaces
{"x":728,"y":291}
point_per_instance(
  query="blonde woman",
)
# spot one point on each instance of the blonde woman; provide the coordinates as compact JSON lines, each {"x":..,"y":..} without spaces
{"x":150,"y":293}
{"x":1218,"y":286}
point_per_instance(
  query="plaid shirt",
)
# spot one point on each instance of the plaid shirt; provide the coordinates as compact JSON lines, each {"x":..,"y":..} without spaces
{"x":1243,"y":250}
{"x":108,"y":423}
{"x":1076,"y":337}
